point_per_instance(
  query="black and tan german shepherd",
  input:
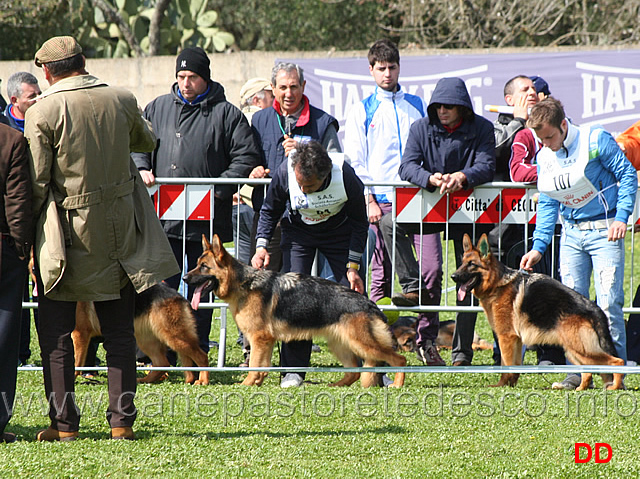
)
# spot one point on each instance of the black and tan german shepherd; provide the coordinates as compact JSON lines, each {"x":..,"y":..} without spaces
{"x":270,"y":307}
{"x":535,"y":309}
{"x":163,"y":317}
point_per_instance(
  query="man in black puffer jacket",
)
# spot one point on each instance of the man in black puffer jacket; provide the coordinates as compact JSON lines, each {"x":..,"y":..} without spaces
{"x":200,"y":135}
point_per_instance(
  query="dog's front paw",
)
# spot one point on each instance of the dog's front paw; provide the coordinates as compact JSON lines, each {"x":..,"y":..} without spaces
{"x":254,"y":379}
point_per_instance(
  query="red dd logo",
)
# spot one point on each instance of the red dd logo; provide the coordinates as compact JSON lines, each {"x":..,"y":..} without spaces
{"x":589,"y":452}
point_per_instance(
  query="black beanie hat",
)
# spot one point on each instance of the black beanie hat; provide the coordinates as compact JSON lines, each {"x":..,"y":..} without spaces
{"x":194,"y":59}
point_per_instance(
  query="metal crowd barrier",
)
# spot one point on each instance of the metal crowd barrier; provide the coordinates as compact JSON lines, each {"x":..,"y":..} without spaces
{"x":497,"y":203}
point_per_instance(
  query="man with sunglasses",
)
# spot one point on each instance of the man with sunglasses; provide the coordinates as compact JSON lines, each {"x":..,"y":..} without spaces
{"x":451,"y":149}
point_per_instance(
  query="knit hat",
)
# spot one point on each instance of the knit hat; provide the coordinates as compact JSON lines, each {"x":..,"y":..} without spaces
{"x":56,"y":49}
{"x":540,"y":85}
{"x":252,"y":87}
{"x":194,"y":59}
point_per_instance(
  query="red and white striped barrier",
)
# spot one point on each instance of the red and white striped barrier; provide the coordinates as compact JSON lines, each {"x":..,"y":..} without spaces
{"x":482,"y":205}
{"x":179,"y":202}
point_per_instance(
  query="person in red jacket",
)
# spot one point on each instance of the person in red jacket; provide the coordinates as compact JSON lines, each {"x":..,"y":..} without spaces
{"x":629,"y":142}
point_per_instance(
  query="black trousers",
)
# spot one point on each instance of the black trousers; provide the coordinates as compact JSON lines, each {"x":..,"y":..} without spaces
{"x":633,"y":331}
{"x":12,"y":280}
{"x":298,"y":253}
{"x":55,"y":323}
{"x":462,"y":349}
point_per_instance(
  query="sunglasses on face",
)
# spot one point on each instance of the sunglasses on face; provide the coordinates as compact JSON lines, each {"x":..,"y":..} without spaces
{"x":446,"y":107}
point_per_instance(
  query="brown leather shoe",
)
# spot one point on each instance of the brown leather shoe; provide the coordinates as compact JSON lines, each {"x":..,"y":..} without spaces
{"x":464,"y":362}
{"x":7,"y":437}
{"x":51,"y":434}
{"x":122,"y":433}
{"x":410,"y":299}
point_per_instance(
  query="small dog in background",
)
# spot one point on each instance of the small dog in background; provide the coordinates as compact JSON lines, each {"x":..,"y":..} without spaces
{"x":445,"y":337}
{"x":403,"y":332}
{"x":163,"y":317}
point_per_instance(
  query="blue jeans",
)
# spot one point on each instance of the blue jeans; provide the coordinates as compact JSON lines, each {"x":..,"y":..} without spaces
{"x":584,"y":252}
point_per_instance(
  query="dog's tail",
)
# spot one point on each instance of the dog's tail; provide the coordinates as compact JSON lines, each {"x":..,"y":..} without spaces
{"x":605,"y":340}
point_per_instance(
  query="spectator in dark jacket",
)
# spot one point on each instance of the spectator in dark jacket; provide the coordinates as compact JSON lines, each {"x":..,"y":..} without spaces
{"x":22,"y":89}
{"x":200,"y":135}
{"x":451,"y":149}
{"x":290,"y":120}
{"x":16,"y":226}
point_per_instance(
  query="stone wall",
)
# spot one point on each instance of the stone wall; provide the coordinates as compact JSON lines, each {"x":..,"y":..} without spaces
{"x":149,"y":77}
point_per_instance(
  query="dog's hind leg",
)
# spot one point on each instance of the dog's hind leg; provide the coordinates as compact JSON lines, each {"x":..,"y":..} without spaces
{"x":368,"y":380}
{"x":157,"y":352}
{"x":190,"y":352}
{"x":597,"y":357}
{"x":260,"y":357}
{"x":201,"y":360}
{"x":371,"y":340}
{"x":380,"y":355}
{"x":348,"y":360}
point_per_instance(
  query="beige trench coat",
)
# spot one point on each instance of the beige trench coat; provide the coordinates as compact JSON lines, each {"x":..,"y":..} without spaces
{"x":105,"y":232}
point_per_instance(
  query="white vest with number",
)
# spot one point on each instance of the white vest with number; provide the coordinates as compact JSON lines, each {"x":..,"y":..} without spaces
{"x":563,"y":179}
{"x":317,"y":207}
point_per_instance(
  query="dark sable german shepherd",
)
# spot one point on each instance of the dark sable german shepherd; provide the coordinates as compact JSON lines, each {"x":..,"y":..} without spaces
{"x":535,"y":309}
{"x":163,"y":317}
{"x":269,"y":306}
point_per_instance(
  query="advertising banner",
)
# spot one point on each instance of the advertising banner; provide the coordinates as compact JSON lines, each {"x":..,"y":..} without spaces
{"x":596,"y":87}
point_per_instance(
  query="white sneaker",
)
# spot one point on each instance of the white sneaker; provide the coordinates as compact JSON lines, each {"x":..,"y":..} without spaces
{"x":291,"y":380}
{"x":570,"y":383}
{"x":386,"y":381}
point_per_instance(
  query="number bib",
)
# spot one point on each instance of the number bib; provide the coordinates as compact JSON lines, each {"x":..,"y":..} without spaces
{"x":563,"y":179}
{"x":317,"y":207}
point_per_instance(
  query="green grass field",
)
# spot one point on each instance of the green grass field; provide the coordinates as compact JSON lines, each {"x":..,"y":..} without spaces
{"x":441,"y":424}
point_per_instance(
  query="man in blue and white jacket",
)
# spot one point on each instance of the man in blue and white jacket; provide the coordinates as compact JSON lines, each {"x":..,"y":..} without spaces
{"x":376,"y":133}
{"x":583,"y":175}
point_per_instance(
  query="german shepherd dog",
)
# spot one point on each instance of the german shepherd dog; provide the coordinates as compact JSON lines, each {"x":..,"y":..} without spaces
{"x":269,"y":306}
{"x":163,"y":317}
{"x":445,"y":337}
{"x":403,"y":333}
{"x":535,"y":309}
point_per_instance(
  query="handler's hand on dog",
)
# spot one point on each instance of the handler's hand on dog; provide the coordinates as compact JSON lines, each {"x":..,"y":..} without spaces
{"x":530,"y":259}
{"x":260,"y":259}
{"x":617,"y":230}
{"x":355,"y":281}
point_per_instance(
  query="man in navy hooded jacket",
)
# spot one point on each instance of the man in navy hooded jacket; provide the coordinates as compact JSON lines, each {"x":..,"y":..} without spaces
{"x":451,"y":149}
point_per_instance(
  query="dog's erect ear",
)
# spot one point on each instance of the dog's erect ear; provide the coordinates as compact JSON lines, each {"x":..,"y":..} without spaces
{"x":216,"y":245}
{"x":483,"y":246}
{"x":466,"y":243}
{"x":205,"y":244}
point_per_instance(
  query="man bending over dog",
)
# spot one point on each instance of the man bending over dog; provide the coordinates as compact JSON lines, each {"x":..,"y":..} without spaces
{"x":583,"y":174}
{"x":322,"y":201}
